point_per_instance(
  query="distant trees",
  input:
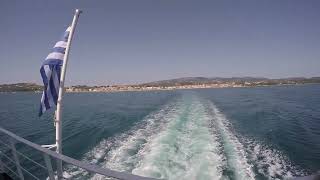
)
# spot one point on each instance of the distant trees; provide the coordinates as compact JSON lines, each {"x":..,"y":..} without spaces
{"x":20,"y":87}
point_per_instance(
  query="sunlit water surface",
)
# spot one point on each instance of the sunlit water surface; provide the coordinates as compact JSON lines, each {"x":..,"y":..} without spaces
{"x":231,"y":133}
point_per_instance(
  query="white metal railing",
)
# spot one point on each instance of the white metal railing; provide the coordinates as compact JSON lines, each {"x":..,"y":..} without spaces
{"x":10,"y":159}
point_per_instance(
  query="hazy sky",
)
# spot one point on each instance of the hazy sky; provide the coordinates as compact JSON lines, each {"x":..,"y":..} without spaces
{"x":139,"y":41}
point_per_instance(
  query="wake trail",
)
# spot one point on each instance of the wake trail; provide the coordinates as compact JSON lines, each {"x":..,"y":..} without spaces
{"x":188,"y":138}
{"x":121,"y":152}
{"x":186,"y":149}
{"x":238,"y":165}
{"x":269,"y":162}
{"x":248,"y":158}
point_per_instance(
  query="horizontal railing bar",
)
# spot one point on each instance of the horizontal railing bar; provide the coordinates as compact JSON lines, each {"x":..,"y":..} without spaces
{"x":7,"y":157}
{"x":24,"y":155}
{"x":87,"y":166}
{"x":6,"y":167}
{"x":31,"y":160}
{"x":29,"y":173}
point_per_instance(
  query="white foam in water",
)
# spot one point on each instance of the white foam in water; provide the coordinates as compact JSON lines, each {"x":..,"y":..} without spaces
{"x":270,"y":162}
{"x":125,"y":154}
{"x":115,"y":152}
{"x":188,"y":138}
{"x":93,"y":156}
{"x":186,"y":149}
{"x":234,"y":150}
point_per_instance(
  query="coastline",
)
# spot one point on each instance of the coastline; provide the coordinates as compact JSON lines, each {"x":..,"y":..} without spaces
{"x":112,"y":89}
{"x":172,"y":88}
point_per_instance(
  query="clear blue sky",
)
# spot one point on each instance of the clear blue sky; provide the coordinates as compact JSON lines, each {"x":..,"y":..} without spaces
{"x":119,"y":42}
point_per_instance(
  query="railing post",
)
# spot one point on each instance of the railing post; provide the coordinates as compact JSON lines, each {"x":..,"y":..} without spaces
{"x":49,"y":166}
{"x":1,"y":166}
{"x":16,"y":159}
{"x":59,"y":169}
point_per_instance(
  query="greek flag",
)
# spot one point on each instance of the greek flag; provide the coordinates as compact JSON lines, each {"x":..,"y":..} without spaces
{"x":50,"y":72}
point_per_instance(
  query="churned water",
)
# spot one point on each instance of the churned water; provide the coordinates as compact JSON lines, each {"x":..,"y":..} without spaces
{"x":231,"y":133}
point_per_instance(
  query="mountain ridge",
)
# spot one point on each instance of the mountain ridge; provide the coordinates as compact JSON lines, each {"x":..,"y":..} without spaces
{"x":210,"y":80}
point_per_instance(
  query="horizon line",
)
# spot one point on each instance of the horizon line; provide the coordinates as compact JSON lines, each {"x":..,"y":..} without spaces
{"x":223,"y":77}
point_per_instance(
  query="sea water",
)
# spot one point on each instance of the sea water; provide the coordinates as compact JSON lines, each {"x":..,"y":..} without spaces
{"x":229,"y":133}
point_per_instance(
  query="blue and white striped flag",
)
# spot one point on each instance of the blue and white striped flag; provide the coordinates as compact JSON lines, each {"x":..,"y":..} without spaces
{"x":50,"y":72}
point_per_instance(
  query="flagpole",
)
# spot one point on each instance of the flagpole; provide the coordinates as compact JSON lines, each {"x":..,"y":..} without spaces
{"x":58,"y":113}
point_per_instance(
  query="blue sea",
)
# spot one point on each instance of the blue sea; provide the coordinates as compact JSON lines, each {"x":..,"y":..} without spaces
{"x":228,"y":133}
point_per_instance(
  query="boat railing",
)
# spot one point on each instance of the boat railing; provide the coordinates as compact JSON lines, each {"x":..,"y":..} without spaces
{"x":12,"y":161}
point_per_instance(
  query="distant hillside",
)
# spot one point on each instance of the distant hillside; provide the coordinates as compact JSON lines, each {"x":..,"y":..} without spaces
{"x":200,"y":80}
{"x":196,"y":82}
{"x":20,"y":87}
{"x":237,"y":80}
